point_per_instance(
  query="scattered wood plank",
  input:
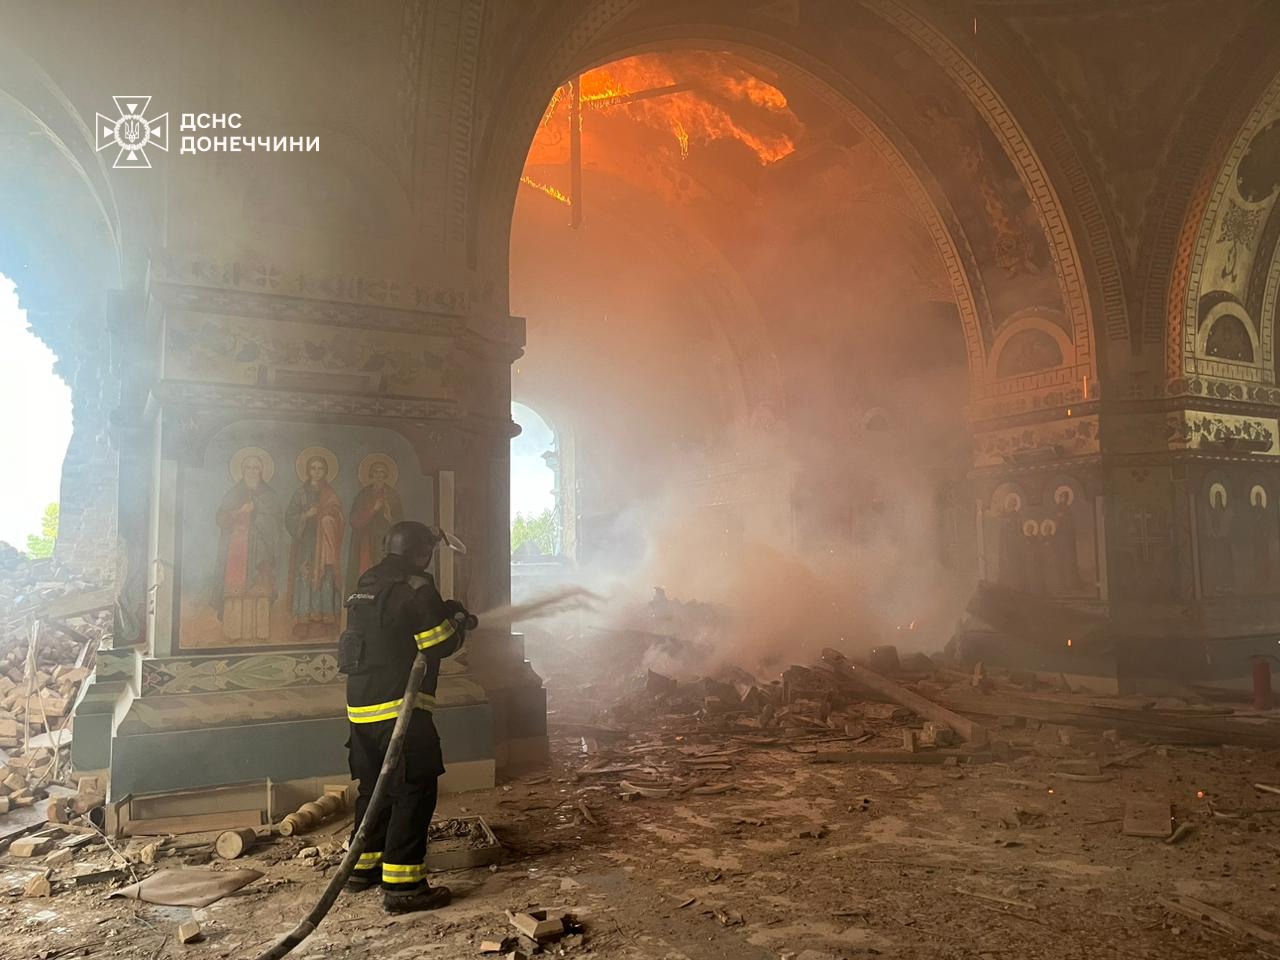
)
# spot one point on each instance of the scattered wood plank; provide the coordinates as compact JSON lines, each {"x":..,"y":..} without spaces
{"x":1127,"y":756}
{"x":1148,"y":818}
{"x":194,"y":823}
{"x":1082,"y":777}
{"x":30,"y":846}
{"x":1197,"y":910}
{"x":895,"y":756}
{"x":1156,"y":726}
{"x":965,"y":728}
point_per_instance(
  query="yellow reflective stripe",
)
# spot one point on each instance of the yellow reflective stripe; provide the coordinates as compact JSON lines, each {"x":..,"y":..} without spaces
{"x":403,"y":872}
{"x":389,"y":710}
{"x":374,"y":712}
{"x":368,"y":860}
{"x":436,"y":635}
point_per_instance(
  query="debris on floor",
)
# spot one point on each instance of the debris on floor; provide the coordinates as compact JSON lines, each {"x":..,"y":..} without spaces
{"x":767,"y":810}
{"x":188,"y":888}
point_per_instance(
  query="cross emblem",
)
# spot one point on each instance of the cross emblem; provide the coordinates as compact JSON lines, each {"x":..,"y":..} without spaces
{"x":1143,"y":536}
{"x":132,"y":133}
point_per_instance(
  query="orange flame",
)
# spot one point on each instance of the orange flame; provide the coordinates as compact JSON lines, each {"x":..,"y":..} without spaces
{"x":709,"y":99}
{"x":549,"y":190}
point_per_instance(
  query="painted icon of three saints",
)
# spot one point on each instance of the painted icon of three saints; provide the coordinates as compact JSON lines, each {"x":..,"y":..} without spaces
{"x":328,"y":546}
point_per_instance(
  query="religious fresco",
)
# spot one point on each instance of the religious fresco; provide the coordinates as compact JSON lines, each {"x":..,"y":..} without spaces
{"x":985,"y":191}
{"x":275,"y":532}
{"x":1227,"y":285}
{"x":249,"y":520}
{"x":1048,"y":547}
{"x":1238,"y":529}
{"x":1028,"y":351}
{"x":376,"y":507}
{"x":316,"y":522}
{"x":1125,"y":103}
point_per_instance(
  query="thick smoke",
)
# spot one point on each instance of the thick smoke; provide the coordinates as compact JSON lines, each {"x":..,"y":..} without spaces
{"x":765,"y":389}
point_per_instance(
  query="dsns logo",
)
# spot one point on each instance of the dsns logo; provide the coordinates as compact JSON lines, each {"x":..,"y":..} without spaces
{"x":132,"y":133}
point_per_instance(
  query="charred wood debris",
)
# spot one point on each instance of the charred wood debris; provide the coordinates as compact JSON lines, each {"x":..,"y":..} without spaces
{"x":640,"y":736}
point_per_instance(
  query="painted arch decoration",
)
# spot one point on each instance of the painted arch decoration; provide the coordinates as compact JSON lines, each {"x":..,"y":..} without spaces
{"x":1025,"y":251}
{"x":1223,"y":302}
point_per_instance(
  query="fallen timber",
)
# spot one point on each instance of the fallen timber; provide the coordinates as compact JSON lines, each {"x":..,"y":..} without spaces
{"x":838,"y":664}
{"x":1160,"y":726}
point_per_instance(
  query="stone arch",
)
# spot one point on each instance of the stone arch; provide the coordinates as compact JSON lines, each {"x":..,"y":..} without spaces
{"x":506,"y":140}
{"x":60,"y":170}
{"x":755,"y":387}
{"x":949,"y":239}
{"x":1228,"y":336}
{"x":1204,"y":134}
{"x":66,"y":252}
{"x":1229,"y":257}
{"x":1031,"y":337}
{"x":1031,"y":169}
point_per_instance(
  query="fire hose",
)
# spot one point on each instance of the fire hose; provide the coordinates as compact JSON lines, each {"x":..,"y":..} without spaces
{"x":377,"y":799}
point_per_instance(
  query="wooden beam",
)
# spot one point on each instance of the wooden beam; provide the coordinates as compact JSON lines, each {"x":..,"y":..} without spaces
{"x":1197,"y":910}
{"x":649,"y":94}
{"x":967,"y":730}
{"x":194,"y":823}
{"x":575,"y":153}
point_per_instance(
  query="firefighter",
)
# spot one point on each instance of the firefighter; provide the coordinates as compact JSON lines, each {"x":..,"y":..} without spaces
{"x":395,"y":612}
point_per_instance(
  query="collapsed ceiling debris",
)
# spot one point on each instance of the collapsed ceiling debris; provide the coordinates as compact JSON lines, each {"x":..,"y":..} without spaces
{"x":730,"y":804}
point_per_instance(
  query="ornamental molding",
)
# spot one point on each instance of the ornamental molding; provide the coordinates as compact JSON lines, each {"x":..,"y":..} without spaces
{"x":266,"y":402}
{"x":271,"y":279}
{"x":269,"y":306}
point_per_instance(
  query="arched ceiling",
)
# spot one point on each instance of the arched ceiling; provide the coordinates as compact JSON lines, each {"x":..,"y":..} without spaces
{"x":964,"y":162}
{"x":766,"y":233}
{"x":56,"y":242}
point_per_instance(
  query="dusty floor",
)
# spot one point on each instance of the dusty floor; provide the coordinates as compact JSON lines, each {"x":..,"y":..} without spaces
{"x":906,"y":868}
{"x":795,"y":858}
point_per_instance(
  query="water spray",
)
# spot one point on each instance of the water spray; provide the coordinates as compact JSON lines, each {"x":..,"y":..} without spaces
{"x":543,"y":607}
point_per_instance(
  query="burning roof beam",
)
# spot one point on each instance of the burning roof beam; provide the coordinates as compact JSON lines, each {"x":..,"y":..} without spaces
{"x":575,"y":154}
{"x":618,"y":99}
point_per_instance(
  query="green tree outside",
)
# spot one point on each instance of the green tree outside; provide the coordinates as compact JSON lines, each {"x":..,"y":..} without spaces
{"x":38,"y":548}
{"x":539,"y":530}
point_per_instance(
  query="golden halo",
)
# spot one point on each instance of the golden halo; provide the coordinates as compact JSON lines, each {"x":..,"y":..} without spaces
{"x":309,"y":454}
{"x":1071,"y":494}
{"x":393,"y":471}
{"x":238,"y":458}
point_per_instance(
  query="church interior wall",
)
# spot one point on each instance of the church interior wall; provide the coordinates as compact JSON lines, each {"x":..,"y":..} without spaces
{"x":934,"y":223}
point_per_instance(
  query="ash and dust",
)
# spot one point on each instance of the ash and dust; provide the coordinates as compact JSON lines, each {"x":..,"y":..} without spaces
{"x":758,"y":361}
